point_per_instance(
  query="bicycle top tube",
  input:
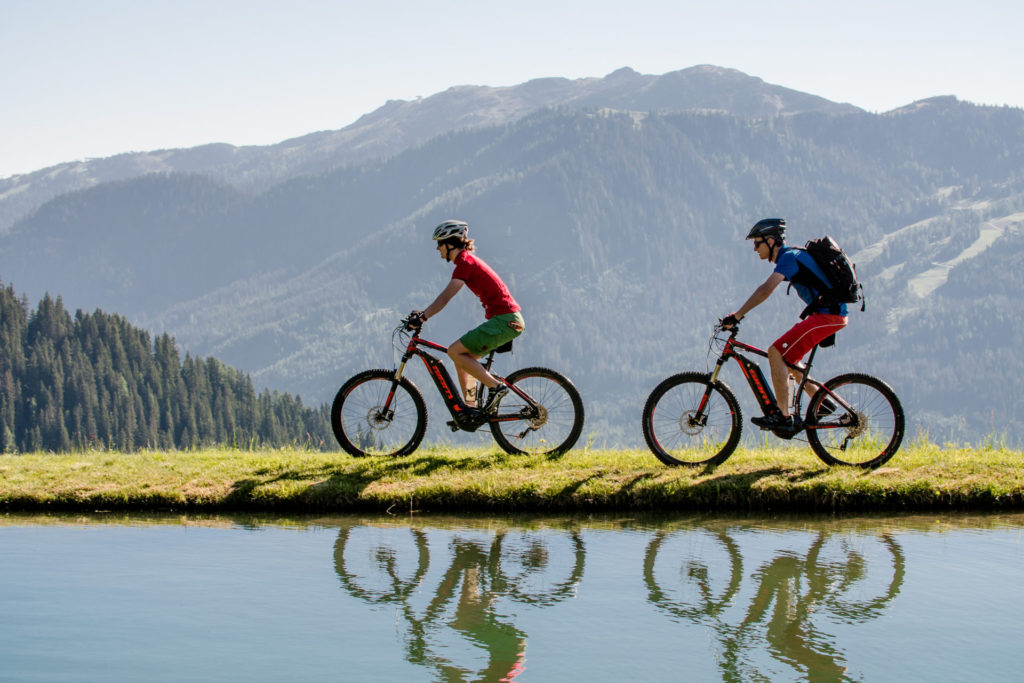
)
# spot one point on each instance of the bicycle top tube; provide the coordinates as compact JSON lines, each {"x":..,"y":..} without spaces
{"x":429,"y":344}
{"x":416,"y":341}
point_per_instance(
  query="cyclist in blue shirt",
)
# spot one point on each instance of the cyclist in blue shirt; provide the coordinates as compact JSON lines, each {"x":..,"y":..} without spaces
{"x":818,"y":321}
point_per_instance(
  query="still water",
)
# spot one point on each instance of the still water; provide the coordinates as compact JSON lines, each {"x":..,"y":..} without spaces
{"x":936,"y":598}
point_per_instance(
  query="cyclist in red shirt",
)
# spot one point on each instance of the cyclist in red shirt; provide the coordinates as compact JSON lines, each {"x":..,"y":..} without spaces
{"x":503,"y":322}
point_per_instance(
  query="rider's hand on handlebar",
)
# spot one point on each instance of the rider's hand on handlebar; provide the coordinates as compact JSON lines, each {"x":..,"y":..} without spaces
{"x":728,"y":322}
{"x":413,"y":321}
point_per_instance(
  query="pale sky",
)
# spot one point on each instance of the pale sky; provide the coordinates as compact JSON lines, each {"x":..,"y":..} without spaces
{"x":93,"y":78}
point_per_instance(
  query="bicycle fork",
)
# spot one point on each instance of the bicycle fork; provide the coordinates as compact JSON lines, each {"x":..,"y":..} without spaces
{"x":386,"y":413}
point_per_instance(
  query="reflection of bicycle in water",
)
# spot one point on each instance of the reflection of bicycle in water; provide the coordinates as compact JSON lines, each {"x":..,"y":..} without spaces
{"x":697,"y":576}
{"x":382,"y":565}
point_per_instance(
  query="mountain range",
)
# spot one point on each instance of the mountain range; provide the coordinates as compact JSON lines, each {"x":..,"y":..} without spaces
{"x":615,"y":208}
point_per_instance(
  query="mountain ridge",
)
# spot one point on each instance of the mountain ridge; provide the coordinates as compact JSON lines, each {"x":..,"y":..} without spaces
{"x":399,"y":124}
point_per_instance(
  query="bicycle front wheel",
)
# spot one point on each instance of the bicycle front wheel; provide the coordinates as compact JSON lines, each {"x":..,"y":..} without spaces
{"x":549,"y":428}
{"x":865,"y":432}
{"x":679,"y":432}
{"x":366,"y":424}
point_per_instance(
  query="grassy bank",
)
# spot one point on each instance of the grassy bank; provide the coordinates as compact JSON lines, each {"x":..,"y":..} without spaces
{"x":920,"y":477}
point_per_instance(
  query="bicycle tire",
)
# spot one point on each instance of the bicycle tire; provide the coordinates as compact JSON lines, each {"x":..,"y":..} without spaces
{"x":875,"y":434}
{"x":383,"y":573}
{"x":561,"y":421}
{"x":674,"y":439}
{"x":360,"y":429}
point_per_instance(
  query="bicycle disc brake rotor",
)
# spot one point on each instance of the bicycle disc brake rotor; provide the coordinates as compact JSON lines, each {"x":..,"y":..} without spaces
{"x":688,"y":425}
{"x":377,"y":419}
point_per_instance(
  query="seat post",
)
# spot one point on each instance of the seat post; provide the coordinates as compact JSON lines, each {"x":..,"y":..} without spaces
{"x":798,"y":394}
{"x":810,"y":359}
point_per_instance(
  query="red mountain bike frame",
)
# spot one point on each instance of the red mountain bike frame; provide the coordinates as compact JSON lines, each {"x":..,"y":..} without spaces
{"x":756,"y":379}
{"x":443,"y":381}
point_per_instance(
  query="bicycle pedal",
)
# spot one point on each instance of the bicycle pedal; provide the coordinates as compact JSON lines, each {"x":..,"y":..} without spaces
{"x":453,"y":425}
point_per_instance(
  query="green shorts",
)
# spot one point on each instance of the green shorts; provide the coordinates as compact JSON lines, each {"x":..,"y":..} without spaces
{"x":493,"y":333}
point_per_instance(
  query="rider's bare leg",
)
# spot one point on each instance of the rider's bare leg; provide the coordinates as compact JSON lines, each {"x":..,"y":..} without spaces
{"x":469,"y":370}
{"x":810,"y":388}
{"x":780,"y":380}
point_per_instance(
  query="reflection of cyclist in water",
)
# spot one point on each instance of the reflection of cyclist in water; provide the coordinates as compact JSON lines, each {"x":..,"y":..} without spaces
{"x":792,"y":593}
{"x":795,"y":590}
{"x":478,"y":575}
{"x":475,"y":617}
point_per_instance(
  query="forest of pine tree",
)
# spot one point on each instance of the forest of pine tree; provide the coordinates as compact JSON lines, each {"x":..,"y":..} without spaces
{"x":94,"y":381}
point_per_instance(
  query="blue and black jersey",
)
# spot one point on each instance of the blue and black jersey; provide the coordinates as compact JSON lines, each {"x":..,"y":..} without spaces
{"x":800,"y":269}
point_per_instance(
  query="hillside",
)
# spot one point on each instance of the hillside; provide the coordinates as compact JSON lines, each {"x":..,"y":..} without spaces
{"x":620,"y":233}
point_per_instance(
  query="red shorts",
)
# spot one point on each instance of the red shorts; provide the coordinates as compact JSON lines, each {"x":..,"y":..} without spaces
{"x":805,"y":334}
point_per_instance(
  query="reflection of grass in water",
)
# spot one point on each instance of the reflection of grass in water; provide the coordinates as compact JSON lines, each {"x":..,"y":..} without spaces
{"x":777,"y":475}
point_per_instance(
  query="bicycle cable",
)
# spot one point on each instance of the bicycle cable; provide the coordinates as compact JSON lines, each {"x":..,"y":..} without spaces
{"x":402,"y":342}
{"x":712,"y":341}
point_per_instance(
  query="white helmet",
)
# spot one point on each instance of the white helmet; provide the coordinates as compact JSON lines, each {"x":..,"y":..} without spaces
{"x":451,"y":229}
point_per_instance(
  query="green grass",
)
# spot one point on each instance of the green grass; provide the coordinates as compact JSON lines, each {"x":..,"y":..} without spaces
{"x":920,"y":477}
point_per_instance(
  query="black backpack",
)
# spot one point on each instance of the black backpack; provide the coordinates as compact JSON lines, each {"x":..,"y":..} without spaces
{"x":842,"y":286}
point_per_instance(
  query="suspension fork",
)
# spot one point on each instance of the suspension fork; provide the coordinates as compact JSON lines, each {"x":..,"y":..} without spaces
{"x":410,"y":350}
{"x":701,"y":416}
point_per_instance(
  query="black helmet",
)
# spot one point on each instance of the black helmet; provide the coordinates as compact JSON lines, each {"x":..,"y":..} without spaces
{"x":769,"y":227}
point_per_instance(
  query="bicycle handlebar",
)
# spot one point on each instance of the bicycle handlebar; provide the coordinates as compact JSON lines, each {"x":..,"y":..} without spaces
{"x":731,"y":329}
{"x":413,"y":321}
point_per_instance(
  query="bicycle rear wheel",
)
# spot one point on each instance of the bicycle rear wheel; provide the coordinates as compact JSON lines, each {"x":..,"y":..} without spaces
{"x":866,"y":436}
{"x":364,"y":428}
{"x":678,"y":435}
{"x":550,"y":429}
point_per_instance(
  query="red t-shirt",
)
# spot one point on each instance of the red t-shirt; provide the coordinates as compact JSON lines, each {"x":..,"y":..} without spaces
{"x":485,"y":283}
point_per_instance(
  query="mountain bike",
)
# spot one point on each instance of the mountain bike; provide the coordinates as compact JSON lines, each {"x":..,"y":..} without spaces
{"x":381,"y":412}
{"x":693,"y":418}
